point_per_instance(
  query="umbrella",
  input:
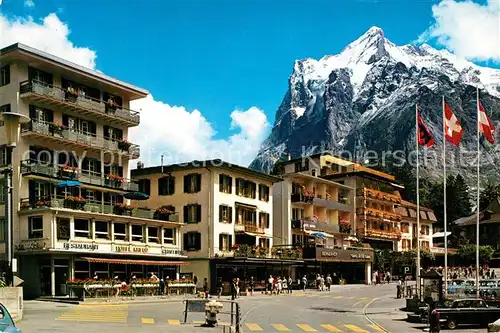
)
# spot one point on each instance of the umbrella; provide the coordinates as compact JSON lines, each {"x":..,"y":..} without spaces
{"x":319,"y":235}
{"x":136,"y":196}
{"x":68,"y":183}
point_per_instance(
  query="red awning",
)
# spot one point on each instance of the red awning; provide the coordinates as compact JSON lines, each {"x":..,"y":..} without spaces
{"x":136,"y":262}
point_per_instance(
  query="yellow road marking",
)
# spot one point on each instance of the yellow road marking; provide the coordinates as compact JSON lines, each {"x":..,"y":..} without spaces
{"x":364,"y":298}
{"x":350,"y":297}
{"x":198,"y":322}
{"x":330,"y":328}
{"x":338,"y":297}
{"x":306,"y":328}
{"x":101,"y":313}
{"x":280,"y":327}
{"x":325,"y":296}
{"x":224,"y":323}
{"x":376,"y":327}
{"x":147,"y":320}
{"x":356,"y":329}
{"x":174,"y":322}
{"x":254,"y":327}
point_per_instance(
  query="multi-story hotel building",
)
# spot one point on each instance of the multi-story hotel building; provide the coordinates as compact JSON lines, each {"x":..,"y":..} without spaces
{"x":226,"y":211}
{"x":318,"y":215}
{"x":71,"y":218}
{"x":409,"y":233}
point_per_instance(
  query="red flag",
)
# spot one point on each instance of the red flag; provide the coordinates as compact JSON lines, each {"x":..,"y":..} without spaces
{"x":424,"y":136}
{"x":452,"y":129}
{"x":485,"y":125}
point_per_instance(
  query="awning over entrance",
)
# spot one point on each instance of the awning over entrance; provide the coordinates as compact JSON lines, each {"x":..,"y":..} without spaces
{"x":257,"y":235}
{"x":136,"y":262}
{"x":310,"y":232}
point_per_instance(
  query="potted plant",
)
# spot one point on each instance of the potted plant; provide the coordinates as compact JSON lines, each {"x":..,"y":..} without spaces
{"x":74,"y":202}
{"x":163,"y":213}
{"x":25,"y":205}
{"x":345,"y":226}
{"x":43,"y":203}
{"x":71,"y":94}
{"x":122,"y":209}
{"x":114,"y":179}
{"x":111,"y":106}
{"x":124,"y":145}
{"x":69,"y":169}
{"x":56,"y":128}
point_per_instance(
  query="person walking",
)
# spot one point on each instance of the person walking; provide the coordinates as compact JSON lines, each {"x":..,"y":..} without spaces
{"x":290,"y":284}
{"x":251,"y":284}
{"x":318,"y":282}
{"x":233,"y":289}
{"x":284,"y":282}
{"x":219,"y":287}
{"x":237,"y":286}
{"x":304,"y":283}
{"x":374,"y":278}
{"x":280,"y":285}
{"x":205,"y":287}
{"x":328,"y":282}
{"x":270,"y":285}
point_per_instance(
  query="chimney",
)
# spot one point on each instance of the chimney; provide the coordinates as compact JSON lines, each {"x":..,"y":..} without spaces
{"x":288,"y":157}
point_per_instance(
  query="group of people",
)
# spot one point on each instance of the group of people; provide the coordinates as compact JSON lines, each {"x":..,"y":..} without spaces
{"x":379,"y":277}
{"x":323,"y":284}
{"x":485,"y":272}
{"x":279,"y":285}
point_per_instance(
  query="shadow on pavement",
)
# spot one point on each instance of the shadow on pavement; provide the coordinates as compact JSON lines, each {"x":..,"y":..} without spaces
{"x":331,"y":309}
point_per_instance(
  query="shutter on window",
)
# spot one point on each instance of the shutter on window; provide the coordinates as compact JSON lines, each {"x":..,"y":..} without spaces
{"x":254,"y":190}
{"x":197,"y":241}
{"x":161,"y":181}
{"x":65,"y":120}
{"x":220,"y":213}
{"x":50,"y":115}
{"x":186,"y":214}
{"x":147,"y":187}
{"x":230,"y":213}
{"x":230,"y":182}
{"x":267,"y":220}
{"x":120,"y":171}
{"x":230,"y":241}
{"x":31,"y":189}
{"x":106,"y":131}
{"x":221,"y":183}
{"x":221,"y":241}
{"x":198,"y":213}
{"x":32,"y":112}
{"x":92,"y":127}
{"x":185,"y":241}
{"x":198,"y":182}
{"x":187,"y":182}
{"x":171,"y":185}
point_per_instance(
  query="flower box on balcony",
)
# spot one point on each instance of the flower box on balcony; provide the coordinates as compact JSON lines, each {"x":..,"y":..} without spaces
{"x":56,"y":128}
{"x":71,"y":94}
{"x":74,"y":202}
{"x":124,"y":145}
{"x":43,"y":203}
{"x":163,"y":213}
{"x":122,"y":209}
{"x":114,"y":180}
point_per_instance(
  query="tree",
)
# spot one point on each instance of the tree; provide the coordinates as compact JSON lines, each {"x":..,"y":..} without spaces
{"x":488,"y":194}
{"x":468,"y":253}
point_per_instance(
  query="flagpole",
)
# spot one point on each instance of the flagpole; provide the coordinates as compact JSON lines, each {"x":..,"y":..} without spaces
{"x":445,"y":206}
{"x":418,"y":204}
{"x":478,"y":191}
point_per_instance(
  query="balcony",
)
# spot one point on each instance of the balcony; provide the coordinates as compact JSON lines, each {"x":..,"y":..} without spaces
{"x":56,"y":97}
{"x":91,"y":207}
{"x":372,"y":213}
{"x":376,"y":195}
{"x":290,"y":252}
{"x":315,"y":225}
{"x":249,"y":227}
{"x":391,"y":234}
{"x":250,"y":251}
{"x":85,"y":140}
{"x":96,"y":179}
{"x":302,"y":198}
{"x":341,"y":205}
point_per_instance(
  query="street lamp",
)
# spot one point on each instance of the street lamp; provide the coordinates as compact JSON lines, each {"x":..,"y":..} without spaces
{"x":11,"y":122}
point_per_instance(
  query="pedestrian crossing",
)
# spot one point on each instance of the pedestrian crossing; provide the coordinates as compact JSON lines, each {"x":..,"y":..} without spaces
{"x":99,"y":314}
{"x":320,"y":328}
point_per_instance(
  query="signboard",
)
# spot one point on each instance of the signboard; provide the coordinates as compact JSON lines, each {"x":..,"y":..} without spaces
{"x":107,"y":247}
{"x":195,"y":305}
{"x":361,"y":255}
{"x":31,"y":246}
{"x":171,"y":251}
{"x":130,"y":249}
{"x":406,"y":270}
{"x":80,"y":246}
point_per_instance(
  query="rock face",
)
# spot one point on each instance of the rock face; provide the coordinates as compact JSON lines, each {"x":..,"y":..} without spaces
{"x":361,"y":102}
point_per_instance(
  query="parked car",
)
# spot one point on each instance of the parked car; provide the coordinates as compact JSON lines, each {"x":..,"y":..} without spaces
{"x":456,"y":287}
{"x":7,"y":325}
{"x":470,"y":287}
{"x":468,"y":311}
{"x":491,"y":290}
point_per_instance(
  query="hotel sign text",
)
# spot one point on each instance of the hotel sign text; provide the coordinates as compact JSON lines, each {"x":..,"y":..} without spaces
{"x":130,"y":249}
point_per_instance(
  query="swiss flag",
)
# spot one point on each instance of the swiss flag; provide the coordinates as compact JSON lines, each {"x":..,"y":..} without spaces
{"x":452,"y":129}
{"x":485,"y":125}
{"x":424,"y":136}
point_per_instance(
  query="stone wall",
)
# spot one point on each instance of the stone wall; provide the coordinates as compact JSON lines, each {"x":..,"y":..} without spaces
{"x":12,"y":299}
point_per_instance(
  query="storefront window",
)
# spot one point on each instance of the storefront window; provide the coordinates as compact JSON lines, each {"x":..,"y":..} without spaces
{"x":120,"y":231}
{"x":35,"y":226}
{"x":101,"y":230}
{"x":63,"y":232}
{"x":82,"y":269}
{"x":169,"y":236}
{"x":153,"y":235}
{"x":137,"y":233}
{"x":82,"y":228}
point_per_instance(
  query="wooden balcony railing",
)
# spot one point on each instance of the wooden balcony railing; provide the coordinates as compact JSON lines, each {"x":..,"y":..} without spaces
{"x":249,"y":226}
{"x":378,"y":214}
{"x":378,"y":233}
{"x":380,"y":196}
{"x":80,"y":102}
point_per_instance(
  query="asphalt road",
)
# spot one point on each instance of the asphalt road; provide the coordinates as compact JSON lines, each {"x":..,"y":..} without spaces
{"x":358,"y":309}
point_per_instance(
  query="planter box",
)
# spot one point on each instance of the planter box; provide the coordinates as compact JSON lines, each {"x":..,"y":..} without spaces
{"x":12,"y":299}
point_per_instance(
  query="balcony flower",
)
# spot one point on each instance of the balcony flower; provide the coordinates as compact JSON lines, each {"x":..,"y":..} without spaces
{"x":75,"y":199}
{"x":163,"y":213}
{"x":121,"y":208}
{"x":69,"y":168}
{"x":43,"y":203}
{"x":114,"y":177}
{"x":124,"y":145}
{"x":55,"y":127}
{"x":25,"y":205}
{"x":72,"y":91}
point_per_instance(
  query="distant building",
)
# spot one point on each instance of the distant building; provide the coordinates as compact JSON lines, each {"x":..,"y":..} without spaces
{"x":409,"y":232}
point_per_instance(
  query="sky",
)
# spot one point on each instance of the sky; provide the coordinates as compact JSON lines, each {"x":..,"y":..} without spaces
{"x":218,"y":70}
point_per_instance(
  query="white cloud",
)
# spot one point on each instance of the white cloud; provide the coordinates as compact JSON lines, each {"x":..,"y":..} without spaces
{"x":182,"y":135}
{"x":468,"y":29}
{"x":49,"y":35}
{"x":29,"y":3}
{"x":179,"y":134}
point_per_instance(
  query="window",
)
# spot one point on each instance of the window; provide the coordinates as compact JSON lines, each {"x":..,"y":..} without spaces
{"x":82,"y":228}
{"x":5,"y":108}
{"x":225,"y":242}
{"x":263,"y":192}
{"x":153,"y":235}
{"x":264,"y":242}
{"x":120,"y":230}
{"x":169,"y":236}
{"x":112,"y":198}
{"x":41,"y":115}
{"x":137,"y":233}
{"x":263,"y":220}
{"x":39,"y":76}
{"x":192,"y":241}
{"x":245,"y":216}
{"x":225,"y":214}
{"x":113,"y":134}
{"x":4,"y":75}
{"x":192,"y":213}
{"x":63,"y":232}
{"x":302,"y":165}
{"x":35,"y":226}
{"x":3,"y":228}
{"x":145,"y":186}
{"x":91,"y":166}
{"x":245,"y":188}
{"x":297,"y":213}
{"x":297,"y":239}
{"x":225,"y":184}
{"x":405,"y":228}
{"x":192,"y":183}
{"x":166,"y":185}
{"x":101,"y":229}
{"x":79,"y":125}
{"x":3,"y":191}
{"x":4,"y":156}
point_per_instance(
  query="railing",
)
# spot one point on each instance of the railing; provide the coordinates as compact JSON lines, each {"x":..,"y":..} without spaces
{"x":299,"y":197}
{"x":84,"y":138}
{"x":252,"y":227}
{"x":251,"y":251}
{"x":93,"y":207}
{"x":378,"y":233}
{"x":57,"y":171}
{"x":315,"y":225}
{"x":380,"y":214}
{"x":327,"y":171}
{"x":380,"y":196}
{"x":287,"y":252}
{"x":78,"y":100}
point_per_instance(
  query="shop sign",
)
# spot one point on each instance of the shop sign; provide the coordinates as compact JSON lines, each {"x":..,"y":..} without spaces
{"x":30,"y":246}
{"x":80,"y":246}
{"x":171,"y":251}
{"x":130,"y":249}
{"x":344,"y":254}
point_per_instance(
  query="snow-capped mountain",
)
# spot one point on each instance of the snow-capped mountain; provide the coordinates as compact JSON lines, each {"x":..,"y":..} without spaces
{"x":364,"y":99}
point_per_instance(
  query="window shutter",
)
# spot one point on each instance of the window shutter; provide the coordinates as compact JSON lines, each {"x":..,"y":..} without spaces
{"x":185,"y":241}
{"x":197,"y":238}
{"x":106,"y":131}
{"x":119,"y":133}
{"x":187,"y":182}
{"x":230,"y":242}
{"x":198,"y":213}
{"x":171,"y":185}
{"x":230,"y":181}
{"x":221,"y":240}
{"x":65,"y":120}
{"x":147,"y":186}
{"x":32,"y":112}
{"x":267,"y":220}
{"x":120,"y":171}
{"x":230,"y":215}
{"x":92,"y":127}
{"x":221,"y":183}
{"x":186,"y":214}
{"x":31,"y":189}
{"x":254,"y":190}
{"x":220,"y":213}
{"x":198,"y":183}
{"x":161,"y":181}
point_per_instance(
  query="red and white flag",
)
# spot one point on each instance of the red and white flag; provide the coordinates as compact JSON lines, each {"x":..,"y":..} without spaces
{"x":452,"y":129}
{"x":485,"y":125}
